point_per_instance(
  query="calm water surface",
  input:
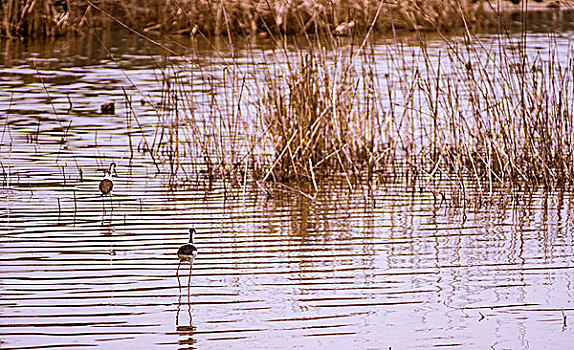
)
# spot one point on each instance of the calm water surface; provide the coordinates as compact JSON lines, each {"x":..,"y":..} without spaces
{"x":385,"y":266}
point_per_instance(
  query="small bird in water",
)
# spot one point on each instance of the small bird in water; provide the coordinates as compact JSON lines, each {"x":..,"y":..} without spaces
{"x":187,"y":252}
{"x":107,"y":184}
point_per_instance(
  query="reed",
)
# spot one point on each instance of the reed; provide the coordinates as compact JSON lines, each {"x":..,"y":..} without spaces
{"x":496,"y":116}
{"x":203,"y":133}
{"x":518,"y":127}
{"x":506,"y":119}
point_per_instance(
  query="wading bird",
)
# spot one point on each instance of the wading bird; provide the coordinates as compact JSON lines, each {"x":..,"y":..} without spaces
{"x":107,"y":184}
{"x":187,"y":252}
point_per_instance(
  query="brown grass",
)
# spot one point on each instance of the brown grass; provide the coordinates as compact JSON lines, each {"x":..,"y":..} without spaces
{"x":497,"y":114}
{"x":323,"y":119}
{"x":52,"y":17}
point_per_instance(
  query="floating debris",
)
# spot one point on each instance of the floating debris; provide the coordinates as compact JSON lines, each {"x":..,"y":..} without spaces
{"x":108,"y":108}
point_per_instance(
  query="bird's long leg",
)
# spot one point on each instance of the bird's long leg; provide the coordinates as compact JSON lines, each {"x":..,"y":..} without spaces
{"x":112,"y":204}
{"x":177,"y":275}
{"x":189,"y":279}
{"x":189,"y":312}
{"x":188,"y":298}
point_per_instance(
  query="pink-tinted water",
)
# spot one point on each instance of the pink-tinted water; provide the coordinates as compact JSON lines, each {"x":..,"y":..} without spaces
{"x":386,"y":266}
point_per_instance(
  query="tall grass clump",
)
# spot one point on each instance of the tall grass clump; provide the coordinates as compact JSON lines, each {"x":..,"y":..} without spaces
{"x":322,"y":118}
{"x":495,"y":114}
{"x":469,"y":108}
{"x":492,"y":112}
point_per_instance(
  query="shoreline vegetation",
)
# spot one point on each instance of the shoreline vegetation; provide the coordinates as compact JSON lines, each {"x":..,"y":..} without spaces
{"x":37,"y":18}
{"x":495,"y":115}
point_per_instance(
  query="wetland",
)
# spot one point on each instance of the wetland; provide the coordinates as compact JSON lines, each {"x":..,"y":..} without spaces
{"x":422,"y":197}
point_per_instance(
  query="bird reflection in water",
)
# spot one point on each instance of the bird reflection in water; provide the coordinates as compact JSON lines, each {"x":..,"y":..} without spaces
{"x":108,"y":231}
{"x":186,"y":332}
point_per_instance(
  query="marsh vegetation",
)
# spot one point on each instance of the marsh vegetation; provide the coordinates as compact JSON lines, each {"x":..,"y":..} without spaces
{"x":491,"y":114}
{"x":356,"y":187}
{"x":231,"y":17}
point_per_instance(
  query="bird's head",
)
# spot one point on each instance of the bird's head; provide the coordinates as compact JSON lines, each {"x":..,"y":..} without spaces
{"x":112,"y":169}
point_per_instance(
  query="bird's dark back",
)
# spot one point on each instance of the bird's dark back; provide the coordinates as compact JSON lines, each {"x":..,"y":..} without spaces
{"x":187,"y":250}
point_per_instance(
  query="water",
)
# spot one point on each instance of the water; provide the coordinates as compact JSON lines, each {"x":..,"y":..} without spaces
{"x":385,"y":266}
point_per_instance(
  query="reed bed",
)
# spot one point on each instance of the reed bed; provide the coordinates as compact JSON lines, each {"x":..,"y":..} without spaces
{"x":24,"y":18}
{"x":507,"y":118}
{"x":232,"y":17}
{"x":323,"y":118}
{"x":495,"y":115}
